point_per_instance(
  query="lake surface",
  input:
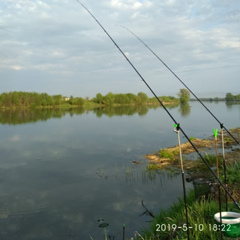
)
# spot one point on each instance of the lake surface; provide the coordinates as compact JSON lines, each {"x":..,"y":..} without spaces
{"x":60,"y":171}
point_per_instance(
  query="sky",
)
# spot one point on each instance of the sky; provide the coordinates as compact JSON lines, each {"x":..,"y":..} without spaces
{"x":55,"y":46}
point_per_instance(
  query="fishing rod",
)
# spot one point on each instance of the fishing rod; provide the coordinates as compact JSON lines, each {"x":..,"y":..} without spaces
{"x":183,"y":178}
{"x":124,"y":231}
{"x":221,"y":124}
{"x":219,"y":189}
{"x":235,"y":202}
{"x":224,"y":168}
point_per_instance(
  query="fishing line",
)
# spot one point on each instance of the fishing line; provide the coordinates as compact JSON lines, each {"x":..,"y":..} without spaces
{"x":221,"y":124}
{"x":220,"y":210}
{"x":161,"y":104}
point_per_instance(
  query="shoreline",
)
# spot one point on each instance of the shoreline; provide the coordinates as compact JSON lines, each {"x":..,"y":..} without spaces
{"x":202,"y":196}
{"x":168,"y":158}
{"x":85,"y":105}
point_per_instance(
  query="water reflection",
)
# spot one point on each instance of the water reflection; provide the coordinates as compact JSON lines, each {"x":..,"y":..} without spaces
{"x":229,"y":105}
{"x":185,"y":109}
{"x":21,"y":116}
{"x":120,"y":111}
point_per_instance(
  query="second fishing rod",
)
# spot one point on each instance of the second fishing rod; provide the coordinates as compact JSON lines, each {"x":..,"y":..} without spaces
{"x":221,"y":124}
{"x":235,"y":202}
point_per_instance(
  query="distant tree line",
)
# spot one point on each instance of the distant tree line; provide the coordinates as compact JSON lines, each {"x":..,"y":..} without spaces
{"x":32,"y":99}
{"x":231,"y":98}
{"x":44,"y":100}
{"x":210,"y":99}
{"x":129,"y":99}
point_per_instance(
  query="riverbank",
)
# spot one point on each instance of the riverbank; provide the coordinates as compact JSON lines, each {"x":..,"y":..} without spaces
{"x":169,"y":158}
{"x":169,"y":223}
{"x":87,"y":105}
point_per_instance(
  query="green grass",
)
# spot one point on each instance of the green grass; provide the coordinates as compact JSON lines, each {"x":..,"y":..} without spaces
{"x":200,"y":216}
{"x":233,"y":174}
{"x":228,"y":140}
{"x":211,"y":160}
{"x":129,"y":172}
{"x":192,"y":138}
{"x":152,"y":167}
{"x":164,"y":153}
{"x":176,"y":152}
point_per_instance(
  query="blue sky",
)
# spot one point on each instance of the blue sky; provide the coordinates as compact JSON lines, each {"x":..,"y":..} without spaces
{"x":56,"y":47}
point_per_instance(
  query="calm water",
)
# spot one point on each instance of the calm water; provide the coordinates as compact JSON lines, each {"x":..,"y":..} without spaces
{"x":62,"y":171}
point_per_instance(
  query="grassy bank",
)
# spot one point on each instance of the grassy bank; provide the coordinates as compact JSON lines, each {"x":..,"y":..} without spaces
{"x":169,"y":157}
{"x":171,"y":223}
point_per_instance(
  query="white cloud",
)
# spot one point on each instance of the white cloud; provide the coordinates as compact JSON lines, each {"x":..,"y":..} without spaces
{"x":130,"y":4}
{"x":15,"y":138}
{"x":225,"y":39}
{"x":56,"y":37}
{"x":17,"y":68}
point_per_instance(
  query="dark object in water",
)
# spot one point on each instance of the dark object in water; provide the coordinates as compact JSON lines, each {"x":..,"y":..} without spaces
{"x":100,"y":220}
{"x":103,"y":225}
{"x":136,"y":162}
{"x":202,"y":187}
{"x":147,"y":212}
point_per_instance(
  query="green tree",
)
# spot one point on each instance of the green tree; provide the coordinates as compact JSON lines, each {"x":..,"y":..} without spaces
{"x":109,"y":99}
{"x":184,"y":95}
{"x":49,"y":100}
{"x":15,"y":99}
{"x":143,"y":97}
{"x":121,"y":98}
{"x":71,"y":100}
{"x":237,"y":97}
{"x":132,"y":98}
{"x":79,"y":101}
{"x":229,"y":97}
{"x":57,"y":99}
{"x":99,"y":98}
